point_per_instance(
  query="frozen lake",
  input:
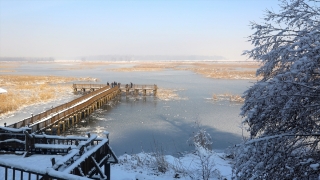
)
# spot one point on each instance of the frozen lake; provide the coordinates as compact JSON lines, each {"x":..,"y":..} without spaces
{"x":138,"y":124}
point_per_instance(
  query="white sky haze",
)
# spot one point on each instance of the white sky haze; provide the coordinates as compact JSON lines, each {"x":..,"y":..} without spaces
{"x":69,"y":28}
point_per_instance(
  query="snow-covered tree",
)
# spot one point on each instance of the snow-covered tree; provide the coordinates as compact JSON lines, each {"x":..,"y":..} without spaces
{"x":282,"y":110}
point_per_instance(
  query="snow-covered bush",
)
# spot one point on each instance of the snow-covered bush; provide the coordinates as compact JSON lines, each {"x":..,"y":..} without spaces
{"x":159,"y":160}
{"x":201,"y":138}
{"x":282,"y":110}
{"x":203,"y":151}
{"x":205,"y":161}
{"x":137,"y":160}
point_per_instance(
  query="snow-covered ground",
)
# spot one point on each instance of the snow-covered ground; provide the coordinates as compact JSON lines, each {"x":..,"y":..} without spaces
{"x":144,"y":166}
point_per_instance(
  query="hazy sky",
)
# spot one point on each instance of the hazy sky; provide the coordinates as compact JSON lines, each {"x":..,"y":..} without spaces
{"x":68,"y":28}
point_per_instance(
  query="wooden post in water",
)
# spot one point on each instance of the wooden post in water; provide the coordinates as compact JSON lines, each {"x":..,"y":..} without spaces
{"x":155,"y":90}
{"x":73,"y":122}
{"x":136,"y":91}
{"x":79,"y":117}
{"x":66,"y":122}
{"x":58,"y":129}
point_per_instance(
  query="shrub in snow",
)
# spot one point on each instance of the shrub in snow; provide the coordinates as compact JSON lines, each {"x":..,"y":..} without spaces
{"x":159,"y":161}
{"x":205,"y":162}
{"x":136,"y":160}
{"x":204,"y":154}
{"x":282,"y":109}
{"x":201,"y":138}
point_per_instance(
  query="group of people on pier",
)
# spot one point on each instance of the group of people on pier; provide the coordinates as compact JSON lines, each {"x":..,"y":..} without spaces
{"x":113,"y":84}
{"x":131,"y":85}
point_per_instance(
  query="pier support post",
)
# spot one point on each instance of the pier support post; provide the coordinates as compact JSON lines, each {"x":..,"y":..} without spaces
{"x":155,"y":90}
{"x":136,"y":91}
{"x":73,"y":120}
{"x":63,"y":126}
{"x":58,"y":131}
{"x":78,"y":117}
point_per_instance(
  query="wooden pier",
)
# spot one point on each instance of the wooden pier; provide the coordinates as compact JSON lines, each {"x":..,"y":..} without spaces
{"x":61,"y":118}
{"x":82,"y":157}
{"x":128,"y":89}
{"x":136,"y":89}
{"x":87,"y":87}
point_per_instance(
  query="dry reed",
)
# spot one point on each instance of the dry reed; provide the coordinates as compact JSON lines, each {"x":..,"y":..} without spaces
{"x":227,"y":96}
{"x":226,"y":70}
{"x":168,"y":94}
{"x":82,"y":65}
{"x":148,"y":66}
{"x":24,"y":90}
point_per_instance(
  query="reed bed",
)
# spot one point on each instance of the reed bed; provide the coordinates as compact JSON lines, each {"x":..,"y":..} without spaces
{"x":135,"y":69}
{"x":215,"y":70}
{"x":251,"y":65}
{"x":82,"y":65}
{"x":227,"y":96}
{"x":168,"y":94}
{"x":25,"y":90}
{"x":224,"y":70}
{"x":226,"y":74}
{"x":148,"y":66}
{"x":18,"y":98}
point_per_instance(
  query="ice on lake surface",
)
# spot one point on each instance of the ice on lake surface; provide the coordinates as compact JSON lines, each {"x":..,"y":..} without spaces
{"x":140,"y":123}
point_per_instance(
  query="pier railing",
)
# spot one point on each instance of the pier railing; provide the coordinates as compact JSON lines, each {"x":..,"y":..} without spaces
{"x":93,"y":87}
{"x":37,"y":122}
{"x":86,"y":87}
{"x":82,"y":156}
{"x":139,"y":86}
